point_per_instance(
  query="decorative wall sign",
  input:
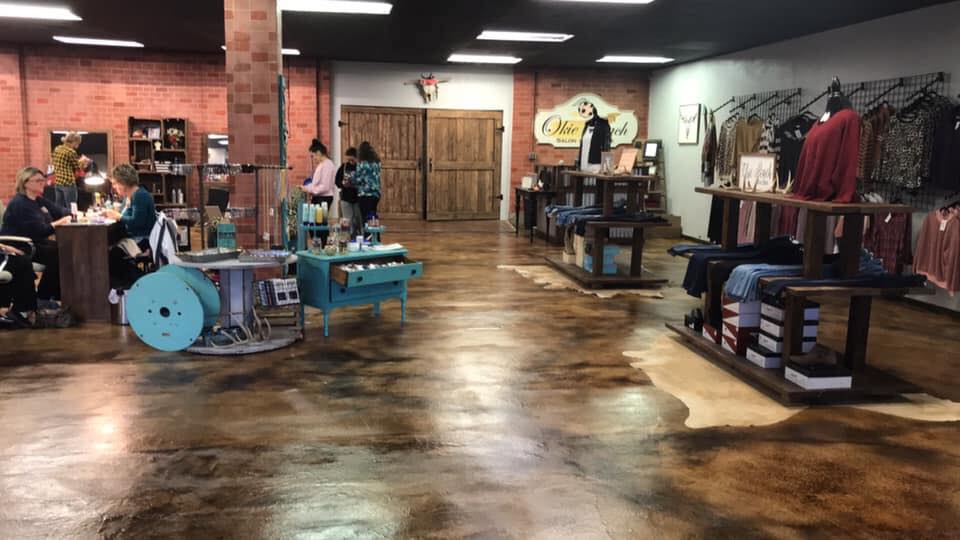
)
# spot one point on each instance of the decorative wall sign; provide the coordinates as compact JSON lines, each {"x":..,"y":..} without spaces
{"x":757,"y":172}
{"x":689,"y":124}
{"x":429,"y":86}
{"x":562,"y":126}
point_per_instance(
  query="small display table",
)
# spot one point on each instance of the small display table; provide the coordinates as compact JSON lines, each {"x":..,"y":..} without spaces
{"x":530,"y":196}
{"x":326,"y":284}
{"x":599,"y":231}
{"x":84,"y":251}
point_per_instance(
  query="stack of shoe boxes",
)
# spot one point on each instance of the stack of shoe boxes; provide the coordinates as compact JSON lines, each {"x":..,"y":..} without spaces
{"x":741,"y":323}
{"x":768,"y":350}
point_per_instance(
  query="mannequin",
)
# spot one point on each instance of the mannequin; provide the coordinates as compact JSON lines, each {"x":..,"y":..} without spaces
{"x":837,"y":101}
{"x":595,"y":138}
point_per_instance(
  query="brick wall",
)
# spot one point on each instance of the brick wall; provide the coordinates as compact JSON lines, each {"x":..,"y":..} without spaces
{"x":93,"y":89}
{"x":544,"y":89}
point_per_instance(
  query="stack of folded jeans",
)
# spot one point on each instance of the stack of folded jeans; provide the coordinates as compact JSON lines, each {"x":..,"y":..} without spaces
{"x":780,"y":250}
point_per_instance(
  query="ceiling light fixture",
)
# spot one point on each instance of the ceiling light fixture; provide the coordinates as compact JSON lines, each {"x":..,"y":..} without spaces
{"x":28,"y":11}
{"x":609,"y":1}
{"x":288,"y":52}
{"x":501,"y":35}
{"x":223,"y":142}
{"x":337,"y":6}
{"x":100,"y":42}
{"x":635,"y":59}
{"x":217,"y":137}
{"x":483,"y":59}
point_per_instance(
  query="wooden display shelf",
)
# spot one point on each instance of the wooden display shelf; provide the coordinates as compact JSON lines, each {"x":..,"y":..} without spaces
{"x":590,"y":281}
{"x":869,"y":385}
{"x":847,"y":291}
{"x":610,"y":177}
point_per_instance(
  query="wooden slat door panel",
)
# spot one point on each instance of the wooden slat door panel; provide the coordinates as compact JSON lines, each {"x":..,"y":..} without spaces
{"x":397,"y":135}
{"x":463,"y":175}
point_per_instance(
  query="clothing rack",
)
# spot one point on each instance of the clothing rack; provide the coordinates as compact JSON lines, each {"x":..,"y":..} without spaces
{"x":725,"y":103}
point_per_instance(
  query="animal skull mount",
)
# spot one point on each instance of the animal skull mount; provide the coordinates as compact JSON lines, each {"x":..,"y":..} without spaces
{"x":429,"y":86}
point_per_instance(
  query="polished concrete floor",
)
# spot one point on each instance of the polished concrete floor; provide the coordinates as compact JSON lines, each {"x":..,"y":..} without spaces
{"x":501,"y":410}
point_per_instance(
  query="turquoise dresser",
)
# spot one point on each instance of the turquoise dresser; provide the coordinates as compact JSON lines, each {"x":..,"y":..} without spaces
{"x":326,"y":284}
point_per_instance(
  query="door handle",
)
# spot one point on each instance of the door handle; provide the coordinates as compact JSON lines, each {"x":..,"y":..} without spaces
{"x":430,"y":165}
{"x":499,"y":197}
{"x":419,"y":164}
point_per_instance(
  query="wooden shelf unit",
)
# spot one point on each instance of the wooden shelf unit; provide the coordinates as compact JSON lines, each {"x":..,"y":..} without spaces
{"x":868,"y":383}
{"x":144,"y":157}
{"x":599,"y":232}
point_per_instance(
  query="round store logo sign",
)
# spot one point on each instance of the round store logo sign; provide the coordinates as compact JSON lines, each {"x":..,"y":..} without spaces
{"x":562,"y":126}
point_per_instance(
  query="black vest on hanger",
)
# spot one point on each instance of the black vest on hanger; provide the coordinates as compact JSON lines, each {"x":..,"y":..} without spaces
{"x":601,"y":139}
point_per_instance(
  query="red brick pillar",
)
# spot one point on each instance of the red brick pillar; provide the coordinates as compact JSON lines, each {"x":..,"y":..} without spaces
{"x":253,"y":62}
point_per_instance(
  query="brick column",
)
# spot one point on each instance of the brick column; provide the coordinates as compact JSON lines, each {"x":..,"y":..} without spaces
{"x":253,"y":60}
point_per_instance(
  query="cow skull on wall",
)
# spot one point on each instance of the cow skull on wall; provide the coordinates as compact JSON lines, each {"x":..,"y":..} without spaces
{"x":429,"y":87}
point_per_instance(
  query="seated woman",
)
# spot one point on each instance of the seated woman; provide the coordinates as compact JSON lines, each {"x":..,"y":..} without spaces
{"x":31,"y":216}
{"x":139,"y":213}
{"x":19,"y":290}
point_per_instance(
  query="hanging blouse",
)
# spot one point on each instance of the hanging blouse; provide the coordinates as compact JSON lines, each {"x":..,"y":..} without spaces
{"x":726,"y":142}
{"x":827,"y":170}
{"x":791,"y":135}
{"x":938,"y":249}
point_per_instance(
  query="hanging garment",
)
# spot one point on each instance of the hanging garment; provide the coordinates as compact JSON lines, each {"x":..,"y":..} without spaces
{"x":715,"y":226}
{"x":791,"y":135}
{"x":873,"y":131}
{"x":585,"y":142}
{"x":708,"y":154}
{"x":726,"y":144}
{"x":827,"y":170}
{"x":888,"y":237}
{"x":747,"y":141}
{"x":938,"y":249}
{"x":907,"y":152}
{"x":946,"y":150}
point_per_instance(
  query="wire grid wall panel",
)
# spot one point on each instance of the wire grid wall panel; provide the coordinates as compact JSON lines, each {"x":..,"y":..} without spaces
{"x":773,"y":106}
{"x":899,"y":92}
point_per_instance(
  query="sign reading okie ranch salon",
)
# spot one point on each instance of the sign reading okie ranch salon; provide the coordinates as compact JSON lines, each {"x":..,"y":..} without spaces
{"x":562,"y":126}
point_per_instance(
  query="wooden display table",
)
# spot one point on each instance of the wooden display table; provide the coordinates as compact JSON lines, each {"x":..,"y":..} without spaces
{"x":84,"y":251}
{"x":599,"y":231}
{"x":869,"y":384}
{"x":530,"y":196}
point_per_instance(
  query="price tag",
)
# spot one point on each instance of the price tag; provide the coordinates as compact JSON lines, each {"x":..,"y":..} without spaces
{"x":889,"y":217}
{"x":943,"y":225}
{"x":798,"y":134}
{"x":825,"y":117}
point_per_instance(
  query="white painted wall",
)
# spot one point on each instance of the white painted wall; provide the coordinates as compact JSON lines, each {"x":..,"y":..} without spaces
{"x":916,"y":42}
{"x":470,"y":88}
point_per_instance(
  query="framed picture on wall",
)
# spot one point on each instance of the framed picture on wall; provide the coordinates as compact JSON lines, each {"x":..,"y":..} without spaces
{"x":757,"y":172}
{"x":689,"y":124}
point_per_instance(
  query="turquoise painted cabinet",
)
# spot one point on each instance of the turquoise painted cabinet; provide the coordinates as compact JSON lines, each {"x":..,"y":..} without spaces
{"x":326,"y":284}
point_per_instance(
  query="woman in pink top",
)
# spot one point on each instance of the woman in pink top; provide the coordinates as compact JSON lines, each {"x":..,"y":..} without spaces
{"x":322,"y":187}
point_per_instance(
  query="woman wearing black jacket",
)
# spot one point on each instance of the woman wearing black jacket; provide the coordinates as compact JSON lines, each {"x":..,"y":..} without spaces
{"x":349,"y":198}
{"x":19,"y":290}
{"x":31,"y":216}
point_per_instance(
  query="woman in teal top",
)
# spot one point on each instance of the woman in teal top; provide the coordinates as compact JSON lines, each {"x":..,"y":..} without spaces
{"x":367,"y":180}
{"x":139,"y":213}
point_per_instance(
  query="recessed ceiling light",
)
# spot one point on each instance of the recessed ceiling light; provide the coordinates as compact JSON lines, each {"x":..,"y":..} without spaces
{"x":214,"y":136}
{"x":500,"y":35}
{"x":288,"y":52}
{"x":28,"y":11}
{"x":101,"y":42}
{"x":483,"y":59}
{"x":636,"y":59}
{"x":223,"y":142}
{"x":337,"y":6}
{"x":609,"y":1}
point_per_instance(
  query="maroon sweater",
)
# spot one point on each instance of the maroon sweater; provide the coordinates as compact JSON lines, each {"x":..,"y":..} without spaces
{"x":827,"y":170}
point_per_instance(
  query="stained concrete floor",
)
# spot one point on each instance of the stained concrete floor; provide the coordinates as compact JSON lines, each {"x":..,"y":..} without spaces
{"x":501,"y":410}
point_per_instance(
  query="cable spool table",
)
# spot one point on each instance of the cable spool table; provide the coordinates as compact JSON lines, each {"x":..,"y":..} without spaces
{"x":177,"y":308}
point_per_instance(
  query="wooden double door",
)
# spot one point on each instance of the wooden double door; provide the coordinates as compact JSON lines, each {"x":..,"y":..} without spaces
{"x":437,"y":164}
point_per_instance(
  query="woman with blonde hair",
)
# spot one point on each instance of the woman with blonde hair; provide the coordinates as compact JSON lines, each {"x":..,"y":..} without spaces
{"x":31,"y":216}
{"x":66,"y":163}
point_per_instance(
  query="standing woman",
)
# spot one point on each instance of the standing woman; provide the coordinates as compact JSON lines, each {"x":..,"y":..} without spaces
{"x":367,"y":180}
{"x":36,"y":218}
{"x":66,"y":163}
{"x":349,"y":197}
{"x":139,"y":212}
{"x":322,"y":186}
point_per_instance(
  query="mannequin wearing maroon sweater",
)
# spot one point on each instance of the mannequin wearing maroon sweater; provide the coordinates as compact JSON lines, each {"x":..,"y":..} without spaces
{"x":827,"y":170}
